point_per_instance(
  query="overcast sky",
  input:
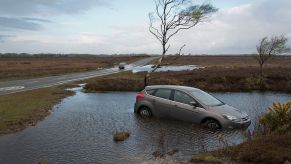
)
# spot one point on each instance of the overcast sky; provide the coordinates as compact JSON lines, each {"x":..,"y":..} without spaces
{"x":121,"y":26}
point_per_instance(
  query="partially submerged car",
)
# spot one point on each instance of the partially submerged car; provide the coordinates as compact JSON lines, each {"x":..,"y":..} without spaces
{"x":189,"y":104}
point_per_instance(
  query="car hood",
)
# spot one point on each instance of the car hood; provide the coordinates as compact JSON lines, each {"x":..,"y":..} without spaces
{"x":228,"y":110}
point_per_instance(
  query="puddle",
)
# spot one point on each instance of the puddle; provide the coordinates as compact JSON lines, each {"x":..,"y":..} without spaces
{"x":148,"y":68}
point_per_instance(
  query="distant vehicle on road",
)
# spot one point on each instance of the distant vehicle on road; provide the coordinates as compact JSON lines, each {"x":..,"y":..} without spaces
{"x":153,"y":66}
{"x":189,"y":104}
{"x":122,"y":65}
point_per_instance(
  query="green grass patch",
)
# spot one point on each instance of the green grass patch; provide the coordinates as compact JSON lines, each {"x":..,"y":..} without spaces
{"x":19,"y":110}
{"x":278,"y":119}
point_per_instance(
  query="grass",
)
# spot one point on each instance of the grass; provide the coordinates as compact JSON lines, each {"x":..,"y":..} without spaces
{"x":15,"y":68}
{"x":125,"y":81}
{"x":206,"y":158}
{"x":20,"y":110}
{"x":277,"y":120}
{"x":267,"y":149}
{"x":222,"y":74}
{"x":120,"y":136}
{"x":234,"y":61}
{"x":216,"y":79}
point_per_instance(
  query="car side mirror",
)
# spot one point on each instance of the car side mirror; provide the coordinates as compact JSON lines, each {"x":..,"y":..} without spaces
{"x":194,"y":104}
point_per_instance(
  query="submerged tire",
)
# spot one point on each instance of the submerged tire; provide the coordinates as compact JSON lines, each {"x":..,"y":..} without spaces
{"x":145,"y":112}
{"x":211,"y":124}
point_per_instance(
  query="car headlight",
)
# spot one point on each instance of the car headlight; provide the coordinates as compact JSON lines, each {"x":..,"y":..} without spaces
{"x":231,"y":118}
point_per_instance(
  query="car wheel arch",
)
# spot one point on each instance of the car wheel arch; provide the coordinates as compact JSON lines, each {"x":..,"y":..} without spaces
{"x":210,"y":118}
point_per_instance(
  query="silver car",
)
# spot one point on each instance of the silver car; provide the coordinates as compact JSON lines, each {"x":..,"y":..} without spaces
{"x":189,"y":104}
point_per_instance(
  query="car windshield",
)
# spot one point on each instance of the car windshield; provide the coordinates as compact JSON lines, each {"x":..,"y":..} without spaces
{"x":206,"y":98}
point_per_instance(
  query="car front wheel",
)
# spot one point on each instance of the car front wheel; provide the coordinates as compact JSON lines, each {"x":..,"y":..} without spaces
{"x":212,"y":124}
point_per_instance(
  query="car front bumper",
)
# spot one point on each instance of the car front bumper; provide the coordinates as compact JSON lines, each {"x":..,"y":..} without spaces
{"x":241,"y":125}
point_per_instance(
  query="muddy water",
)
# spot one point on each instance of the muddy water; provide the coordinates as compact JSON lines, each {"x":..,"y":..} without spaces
{"x":79,"y":130}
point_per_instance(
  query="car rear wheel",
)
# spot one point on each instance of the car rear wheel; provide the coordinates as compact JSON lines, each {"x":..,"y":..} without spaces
{"x":145,"y":112}
{"x":212,"y":124}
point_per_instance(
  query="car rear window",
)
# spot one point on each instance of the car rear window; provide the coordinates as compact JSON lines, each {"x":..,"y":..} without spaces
{"x":163,"y":93}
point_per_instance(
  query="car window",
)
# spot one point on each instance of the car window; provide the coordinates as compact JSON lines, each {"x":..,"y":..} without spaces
{"x":206,"y":98}
{"x":163,"y":93}
{"x":182,"y":97}
{"x":151,"y":92}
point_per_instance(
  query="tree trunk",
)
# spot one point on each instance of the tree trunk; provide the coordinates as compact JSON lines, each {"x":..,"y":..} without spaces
{"x":261,"y":70}
{"x":261,"y":77}
{"x":148,"y":75}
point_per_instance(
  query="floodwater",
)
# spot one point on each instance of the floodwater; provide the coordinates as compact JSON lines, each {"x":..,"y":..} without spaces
{"x":148,"y":68}
{"x":79,"y":130}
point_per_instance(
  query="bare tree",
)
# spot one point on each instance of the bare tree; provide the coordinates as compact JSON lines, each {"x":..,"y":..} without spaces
{"x":172,"y":16}
{"x":180,"y":52}
{"x":270,"y":47}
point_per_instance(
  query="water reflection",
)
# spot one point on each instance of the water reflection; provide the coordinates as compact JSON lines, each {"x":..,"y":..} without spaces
{"x":80,"y":129}
{"x":148,"y":68}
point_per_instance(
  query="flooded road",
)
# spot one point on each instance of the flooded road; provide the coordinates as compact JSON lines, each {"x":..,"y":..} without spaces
{"x":79,"y":130}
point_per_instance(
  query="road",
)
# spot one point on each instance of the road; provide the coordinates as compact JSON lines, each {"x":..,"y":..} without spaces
{"x":30,"y":84}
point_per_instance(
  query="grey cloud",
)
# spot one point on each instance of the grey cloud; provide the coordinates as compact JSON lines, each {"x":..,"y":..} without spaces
{"x":45,"y":7}
{"x":37,"y":20}
{"x":272,"y":11}
{"x":4,"y":37}
{"x":32,"y":24}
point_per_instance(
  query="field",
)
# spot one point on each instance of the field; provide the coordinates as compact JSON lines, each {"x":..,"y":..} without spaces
{"x":15,"y":68}
{"x":266,"y":149}
{"x":232,"y":73}
{"x":20,"y":110}
{"x":228,"y":61}
{"x":222,"y":73}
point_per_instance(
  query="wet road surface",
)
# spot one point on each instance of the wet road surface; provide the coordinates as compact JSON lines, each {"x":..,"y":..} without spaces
{"x":30,"y":84}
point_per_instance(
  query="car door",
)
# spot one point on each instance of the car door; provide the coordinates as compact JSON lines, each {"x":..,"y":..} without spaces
{"x":183,"y":110}
{"x":162,"y":102}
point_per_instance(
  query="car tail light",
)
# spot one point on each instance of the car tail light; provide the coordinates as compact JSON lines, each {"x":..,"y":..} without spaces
{"x":139,"y":96}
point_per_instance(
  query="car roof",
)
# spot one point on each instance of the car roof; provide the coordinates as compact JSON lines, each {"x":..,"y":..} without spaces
{"x":177,"y":87}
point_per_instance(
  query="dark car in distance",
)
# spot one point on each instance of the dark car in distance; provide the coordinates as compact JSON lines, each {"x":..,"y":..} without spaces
{"x":121,"y":65}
